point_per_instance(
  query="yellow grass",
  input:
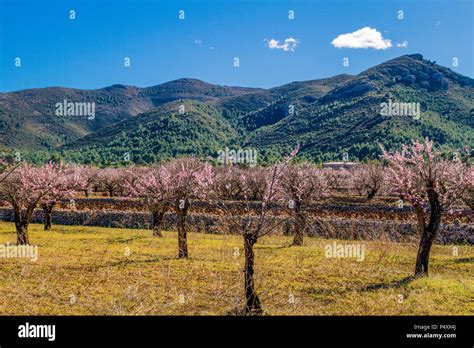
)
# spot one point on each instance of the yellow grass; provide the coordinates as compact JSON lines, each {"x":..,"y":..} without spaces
{"x":86,"y":271}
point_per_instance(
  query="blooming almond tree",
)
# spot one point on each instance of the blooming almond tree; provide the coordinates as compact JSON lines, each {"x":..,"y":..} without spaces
{"x":89,"y":178}
{"x":427,"y":180}
{"x":256,"y":183}
{"x":298,"y":187}
{"x":153,"y":187}
{"x":338,"y":179}
{"x":227,"y":183}
{"x":23,"y":189}
{"x":189,"y":179}
{"x":66,"y":182}
{"x":368,"y":179}
{"x":253,"y":226}
{"x":110,"y":179}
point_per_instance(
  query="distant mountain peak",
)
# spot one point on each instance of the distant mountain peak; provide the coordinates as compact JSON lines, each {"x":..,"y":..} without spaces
{"x":119,"y":87}
{"x":413,"y":70}
{"x":416,"y":56}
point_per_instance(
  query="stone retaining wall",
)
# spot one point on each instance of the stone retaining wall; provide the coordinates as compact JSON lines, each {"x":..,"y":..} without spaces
{"x":326,"y":210}
{"x":397,"y":231}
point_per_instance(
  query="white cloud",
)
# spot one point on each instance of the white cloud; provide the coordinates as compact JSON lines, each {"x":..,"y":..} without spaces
{"x":404,"y":44}
{"x":287,"y":45}
{"x":362,"y":38}
{"x":198,"y":42}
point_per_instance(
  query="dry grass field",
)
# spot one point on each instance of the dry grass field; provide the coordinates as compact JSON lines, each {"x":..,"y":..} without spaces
{"x":105,"y":271}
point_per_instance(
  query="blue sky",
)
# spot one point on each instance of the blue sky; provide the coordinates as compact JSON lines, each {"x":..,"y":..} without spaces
{"x":88,"y":52}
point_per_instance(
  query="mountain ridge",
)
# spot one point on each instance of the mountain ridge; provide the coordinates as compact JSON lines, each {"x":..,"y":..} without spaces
{"x":329,"y":117}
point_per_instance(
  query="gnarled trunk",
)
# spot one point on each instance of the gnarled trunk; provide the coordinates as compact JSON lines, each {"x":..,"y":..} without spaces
{"x":22,"y":220}
{"x":252,"y":302}
{"x":22,"y":237}
{"x":181,"y":208}
{"x":158,"y":222}
{"x":182,"y":237}
{"x":47,"y":216}
{"x":429,"y":234}
{"x":371,"y":194}
{"x":300,"y":225}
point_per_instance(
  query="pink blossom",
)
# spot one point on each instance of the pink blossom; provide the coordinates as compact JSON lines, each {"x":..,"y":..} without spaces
{"x":414,"y":170}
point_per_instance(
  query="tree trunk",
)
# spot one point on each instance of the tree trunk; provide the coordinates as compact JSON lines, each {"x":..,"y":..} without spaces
{"x":47,"y":219}
{"x":252,"y":302}
{"x":371,"y":194}
{"x":429,"y":234}
{"x":182,"y":237}
{"x":158,"y":222}
{"x":181,"y":208}
{"x":22,"y":235}
{"x":300,"y":225}
{"x":86,"y":192}
{"x":47,"y":213}
{"x":111,"y":192}
{"x":22,"y":220}
{"x":21,"y":228}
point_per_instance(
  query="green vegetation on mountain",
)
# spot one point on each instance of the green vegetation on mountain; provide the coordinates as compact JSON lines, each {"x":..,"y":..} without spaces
{"x":28,"y":121}
{"x":331,"y":118}
{"x":176,"y":129}
{"x":347,"y":120}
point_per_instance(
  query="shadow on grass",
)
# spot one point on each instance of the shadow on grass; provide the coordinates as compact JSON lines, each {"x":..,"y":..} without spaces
{"x":389,"y":285}
{"x":464,"y":260}
{"x":123,"y":263}
{"x":124,"y":240}
{"x":272,"y":247}
{"x":371,"y":287}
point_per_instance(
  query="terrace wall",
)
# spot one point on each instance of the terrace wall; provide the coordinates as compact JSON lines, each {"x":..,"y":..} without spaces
{"x":356,"y":209}
{"x":329,"y":227}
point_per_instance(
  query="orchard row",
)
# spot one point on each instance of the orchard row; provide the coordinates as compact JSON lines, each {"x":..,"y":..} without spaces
{"x":417,"y":174}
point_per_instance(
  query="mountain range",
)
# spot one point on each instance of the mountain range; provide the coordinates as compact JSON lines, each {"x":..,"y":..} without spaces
{"x":333,"y":118}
